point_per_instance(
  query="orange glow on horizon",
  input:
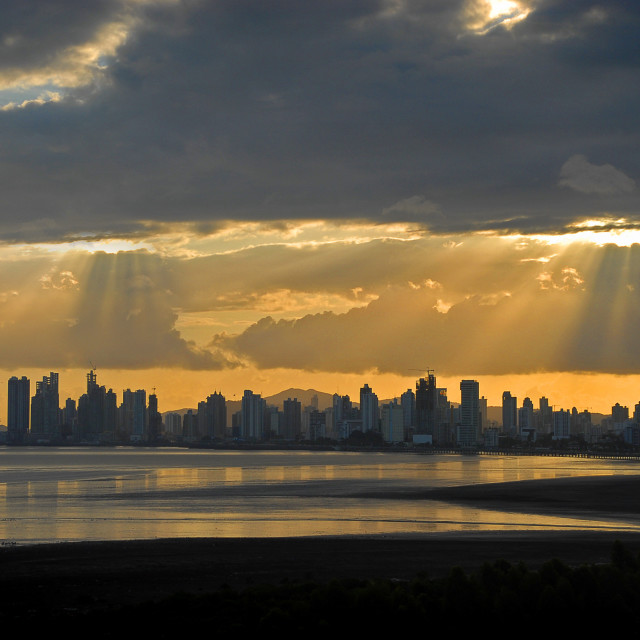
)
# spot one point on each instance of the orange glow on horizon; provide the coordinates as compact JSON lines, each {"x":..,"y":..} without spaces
{"x":180,"y":388}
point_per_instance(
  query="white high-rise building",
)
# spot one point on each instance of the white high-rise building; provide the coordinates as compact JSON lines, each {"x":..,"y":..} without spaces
{"x":369,"y":409}
{"x":392,"y":422}
{"x":252,"y":416}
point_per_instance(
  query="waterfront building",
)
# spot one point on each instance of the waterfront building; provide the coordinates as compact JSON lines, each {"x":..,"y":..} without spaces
{"x":110,"y":424}
{"x":369,"y":411}
{"x":19,"y":391}
{"x":252,"y":416}
{"x":190,"y":426}
{"x":125,"y":416}
{"x":292,"y":419}
{"x":154,"y":419}
{"x":216,"y":421}
{"x":173,"y":424}
{"x":546,"y":415}
{"x":509,"y":413}
{"x":408,"y":404}
{"x":426,"y":405}
{"x":619,"y":415}
{"x":139,"y":416}
{"x":526,"y":424}
{"x":91,"y":410}
{"x":445,"y":432}
{"x":482,"y":403}
{"x":468,"y":427}
{"x":45,"y":407}
{"x":561,"y":424}
{"x":392,"y":422}
{"x":343,"y":414}
{"x":317,"y":424}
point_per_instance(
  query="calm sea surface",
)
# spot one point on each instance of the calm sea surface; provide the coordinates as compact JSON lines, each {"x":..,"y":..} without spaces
{"x":49,"y":495}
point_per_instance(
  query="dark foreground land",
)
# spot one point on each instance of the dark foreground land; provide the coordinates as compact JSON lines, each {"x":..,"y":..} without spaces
{"x":377,"y":583}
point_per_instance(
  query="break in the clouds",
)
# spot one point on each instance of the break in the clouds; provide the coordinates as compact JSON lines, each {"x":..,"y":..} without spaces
{"x":121,"y":114}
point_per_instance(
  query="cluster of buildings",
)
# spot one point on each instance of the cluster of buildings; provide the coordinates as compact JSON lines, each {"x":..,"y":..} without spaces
{"x":95,"y":417}
{"x":421,"y":416}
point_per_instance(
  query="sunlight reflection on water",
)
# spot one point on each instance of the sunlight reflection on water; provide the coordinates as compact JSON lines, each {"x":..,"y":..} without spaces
{"x":98,"y":494}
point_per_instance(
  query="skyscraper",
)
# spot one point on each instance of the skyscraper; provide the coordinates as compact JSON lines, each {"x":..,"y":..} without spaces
{"x":369,"y":409}
{"x":468,"y":429}
{"x":408,"y":404}
{"x":292,"y":419}
{"x":154,"y":419}
{"x":139,"y":415}
{"x":45,"y":407}
{"x":509,"y":413}
{"x":252,"y":415}
{"x":18,"y":409}
{"x":216,"y":416}
{"x":426,"y":405}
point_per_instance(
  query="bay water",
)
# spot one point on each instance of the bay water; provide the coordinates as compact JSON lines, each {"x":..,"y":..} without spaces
{"x":71,"y":494}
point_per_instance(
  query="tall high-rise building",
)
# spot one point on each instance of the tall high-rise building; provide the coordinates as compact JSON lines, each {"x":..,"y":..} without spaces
{"x":91,"y":410}
{"x":19,"y":391}
{"x":408,"y":404}
{"x":546,"y":415}
{"x":252,"y":416}
{"x":110,"y":424}
{"x":216,"y":412}
{"x":139,"y":415}
{"x":426,"y":404}
{"x":468,"y":429}
{"x":509,"y":413}
{"x":561,"y":424}
{"x":343,"y":412}
{"x":619,"y":414}
{"x":369,"y":409}
{"x":154,"y":419}
{"x":443,"y":435}
{"x":392,"y":422}
{"x":292,"y":419}
{"x":125,"y":415}
{"x":525,"y":418}
{"x":45,"y":407}
{"x":317,"y":424}
{"x":483,"y":403}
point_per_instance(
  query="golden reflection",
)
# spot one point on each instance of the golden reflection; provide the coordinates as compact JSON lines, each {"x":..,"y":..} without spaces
{"x":233,"y":475}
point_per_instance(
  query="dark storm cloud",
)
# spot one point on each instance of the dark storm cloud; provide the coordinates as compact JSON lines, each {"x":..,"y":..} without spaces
{"x":353,"y":109}
{"x":33,"y":33}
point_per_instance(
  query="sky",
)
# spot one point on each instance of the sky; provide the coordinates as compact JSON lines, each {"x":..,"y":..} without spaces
{"x":204,"y":195}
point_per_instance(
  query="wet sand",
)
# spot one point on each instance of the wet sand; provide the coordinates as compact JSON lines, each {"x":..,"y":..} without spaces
{"x":609,"y":496}
{"x":95,"y":575}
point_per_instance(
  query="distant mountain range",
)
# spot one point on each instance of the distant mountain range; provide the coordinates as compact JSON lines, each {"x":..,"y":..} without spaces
{"x":305,"y":396}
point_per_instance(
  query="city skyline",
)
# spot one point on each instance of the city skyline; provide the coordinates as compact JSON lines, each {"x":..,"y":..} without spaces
{"x":426,"y":416}
{"x":216,"y":195}
{"x":74,"y":385}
